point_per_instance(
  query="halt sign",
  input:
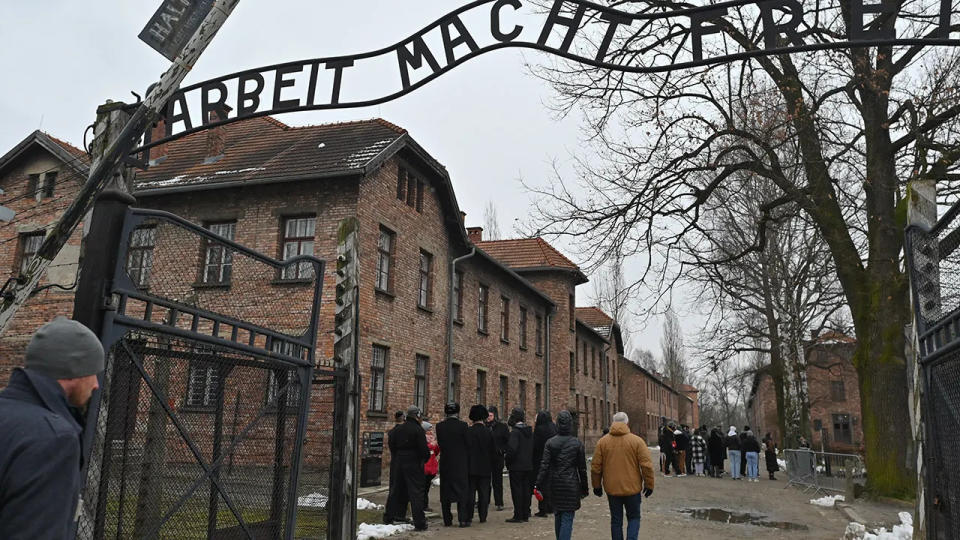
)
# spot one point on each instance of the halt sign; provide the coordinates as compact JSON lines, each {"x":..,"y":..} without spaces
{"x":172,"y":26}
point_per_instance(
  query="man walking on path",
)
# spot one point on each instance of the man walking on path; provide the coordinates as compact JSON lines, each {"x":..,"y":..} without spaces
{"x":519,"y":460}
{"x":480,"y":442}
{"x":501,"y":434}
{"x":391,"y":512}
{"x":563,"y":473}
{"x":411,"y":454}
{"x":542,"y":432}
{"x":454,"y":466}
{"x":41,"y":413}
{"x":622,"y":467}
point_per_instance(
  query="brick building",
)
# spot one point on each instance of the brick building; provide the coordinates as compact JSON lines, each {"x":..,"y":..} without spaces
{"x":518,"y":338}
{"x":834,"y":396}
{"x":647,"y":399}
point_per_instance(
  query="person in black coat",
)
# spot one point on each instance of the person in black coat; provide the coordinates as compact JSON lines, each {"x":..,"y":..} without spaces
{"x":563,"y":473}
{"x":542,"y":432}
{"x":770,"y":455}
{"x":683,"y":448}
{"x":480,"y":443}
{"x":41,"y":418}
{"x":454,"y":466}
{"x":519,"y":460}
{"x":743,"y":453}
{"x":411,"y":453}
{"x":715,"y":449}
{"x":668,"y":450}
{"x":390,"y":511}
{"x":501,"y":434}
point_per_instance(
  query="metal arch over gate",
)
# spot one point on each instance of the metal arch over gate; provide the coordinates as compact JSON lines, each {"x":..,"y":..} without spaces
{"x":202,"y":424}
{"x":669,"y":39}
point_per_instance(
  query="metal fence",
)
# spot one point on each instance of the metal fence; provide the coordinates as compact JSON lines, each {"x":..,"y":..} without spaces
{"x":933,"y":262}
{"x":201,"y":430}
{"x":824,"y":471}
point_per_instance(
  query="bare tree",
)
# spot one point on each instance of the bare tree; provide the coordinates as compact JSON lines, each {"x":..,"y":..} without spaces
{"x":646,"y":360}
{"x":491,"y":222}
{"x":613,"y":297}
{"x":672,"y":351}
{"x":865,"y":123}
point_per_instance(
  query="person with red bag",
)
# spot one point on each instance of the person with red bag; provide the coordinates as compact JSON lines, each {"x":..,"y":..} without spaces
{"x":432,"y":466}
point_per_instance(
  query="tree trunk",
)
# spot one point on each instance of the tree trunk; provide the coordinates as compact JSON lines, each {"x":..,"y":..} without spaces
{"x":881,"y":367}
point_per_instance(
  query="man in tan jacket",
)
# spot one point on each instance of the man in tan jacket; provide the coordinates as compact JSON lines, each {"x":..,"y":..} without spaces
{"x":622,"y":467}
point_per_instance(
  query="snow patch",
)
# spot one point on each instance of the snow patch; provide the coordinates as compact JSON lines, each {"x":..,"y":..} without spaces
{"x":436,"y":481}
{"x":363,"y":504}
{"x":903,"y":531}
{"x":782,"y":463}
{"x":367,"y":531}
{"x":829,"y":501}
{"x":313,"y":500}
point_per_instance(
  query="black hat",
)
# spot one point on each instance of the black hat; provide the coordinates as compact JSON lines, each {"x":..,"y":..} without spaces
{"x":398,"y":415}
{"x":478,"y":413}
{"x":451,"y":408}
{"x":413,"y":412}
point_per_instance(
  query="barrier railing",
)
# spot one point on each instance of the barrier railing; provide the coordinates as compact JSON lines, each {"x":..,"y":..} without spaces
{"x":824,"y":471}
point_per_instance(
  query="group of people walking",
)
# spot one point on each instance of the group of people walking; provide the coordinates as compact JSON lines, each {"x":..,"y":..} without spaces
{"x":546,"y":462}
{"x":704,"y":452}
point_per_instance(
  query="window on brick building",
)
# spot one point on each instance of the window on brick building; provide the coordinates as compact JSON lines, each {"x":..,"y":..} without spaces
{"x":504,"y":318}
{"x":483,"y":296}
{"x":277,"y":386}
{"x":504,"y":388}
{"x":841,"y":429}
{"x":481,"y":387}
{"x":538,"y":394}
{"x":837,"y":391}
{"x":49,"y":184}
{"x":218,"y":259}
{"x":420,"y":382}
{"x":410,"y":189}
{"x":522,"y":386}
{"x":378,"y":378}
{"x":586,"y":366}
{"x":539,"y":322}
{"x":454,"y":383}
{"x":33,"y":186}
{"x":523,"y":327}
{"x":458,"y":295}
{"x":203,"y":384}
{"x":140,"y":255}
{"x":402,"y":184}
{"x":298,"y":239}
{"x":29,"y":246}
{"x":573,"y":372}
{"x":386,"y":247}
{"x":572,"y":313}
{"x":424,"y":298}
{"x":593,"y":361}
{"x":595,"y":412}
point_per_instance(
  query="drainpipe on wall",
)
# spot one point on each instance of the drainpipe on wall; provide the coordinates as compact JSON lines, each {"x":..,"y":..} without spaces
{"x":605,"y":377}
{"x":546,"y":364}
{"x":450,"y":316}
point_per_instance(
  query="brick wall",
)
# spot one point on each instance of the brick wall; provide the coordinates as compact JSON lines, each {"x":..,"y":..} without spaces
{"x":645,"y":400}
{"x":762,"y":413}
{"x":827,"y":364}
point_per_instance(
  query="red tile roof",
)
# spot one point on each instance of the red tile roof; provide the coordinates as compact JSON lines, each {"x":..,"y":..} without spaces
{"x":73,"y":150}
{"x":267,"y":149}
{"x":528,"y":253}
{"x":594,"y":316}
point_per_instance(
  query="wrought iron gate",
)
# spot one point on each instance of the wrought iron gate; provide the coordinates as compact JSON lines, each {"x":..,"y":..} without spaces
{"x":202,"y":425}
{"x":934,"y":263}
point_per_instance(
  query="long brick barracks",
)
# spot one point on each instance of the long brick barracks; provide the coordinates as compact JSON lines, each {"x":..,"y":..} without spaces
{"x":518,"y":337}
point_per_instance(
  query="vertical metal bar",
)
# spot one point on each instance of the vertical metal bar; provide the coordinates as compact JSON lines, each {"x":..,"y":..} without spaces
{"x":223,"y":373}
{"x":296,"y":460}
{"x":279,"y":448}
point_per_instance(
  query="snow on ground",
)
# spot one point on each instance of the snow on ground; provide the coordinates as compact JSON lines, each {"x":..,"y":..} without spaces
{"x":903,"y":531}
{"x":827,"y":501}
{"x":313,"y":500}
{"x":436,"y":480}
{"x":368,"y":532}
{"x":782,"y":463}
{"x":654,"y":448}
{"x":363,"y":504}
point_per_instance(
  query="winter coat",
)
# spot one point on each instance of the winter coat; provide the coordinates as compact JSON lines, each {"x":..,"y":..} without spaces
{"x":409,"y":443}
{"x":666,"y":441}
{"x":683,"y":442}
{"x":750,"y":443}
{"x":542,"y":432}
{"x":501,"y":434}
{"x":432,"y":466}
{"x":40,"y":459}
{"x":715,"y":447}
{"x":563,"y":468}
{"x":699,"y":448}
{"x":770,"y":455}
{"x":519,"y":457}
{"x":733,"y":442}
{"x":454,"y":458}
{"x":482,"y":451}
{"x":621,"y":462}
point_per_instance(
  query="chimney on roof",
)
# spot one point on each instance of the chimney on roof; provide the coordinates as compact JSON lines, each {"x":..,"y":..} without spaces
{"x":157,"y":132}
{"x":475,"y":234}
{"x":463,"y":217}
{"x":215,"y":138}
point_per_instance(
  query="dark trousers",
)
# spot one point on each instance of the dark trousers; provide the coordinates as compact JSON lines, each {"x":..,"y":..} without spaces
{"x":426,"y":490}
{"x":479,"y":493}
{"x":520,"y":493}
{"x":630,"y":504}
{"x":410,"y":490}
{"x":392,"y":510}
{"x":464,"y":511}
{"x":670,"y":459}
{"x":496,"y":482}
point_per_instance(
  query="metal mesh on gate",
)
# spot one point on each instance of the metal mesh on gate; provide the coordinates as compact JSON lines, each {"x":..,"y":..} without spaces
{"x":944,"y":461}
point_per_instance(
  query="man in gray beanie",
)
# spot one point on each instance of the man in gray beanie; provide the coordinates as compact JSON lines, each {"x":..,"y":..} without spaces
{"x":41,"y":414}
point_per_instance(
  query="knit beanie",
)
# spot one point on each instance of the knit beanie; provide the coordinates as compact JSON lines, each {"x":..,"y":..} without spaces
{"x":64,"y":349}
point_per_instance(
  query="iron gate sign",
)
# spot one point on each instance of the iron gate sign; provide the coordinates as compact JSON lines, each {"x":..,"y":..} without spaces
{"x":174,"y":23}
{"x":661,"y":39}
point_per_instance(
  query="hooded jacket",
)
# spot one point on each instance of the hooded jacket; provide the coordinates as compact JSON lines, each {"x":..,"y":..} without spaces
{"x":563,"y":468}
{"x":621,"y":462}
{"x":519,"y":457}
{"x":501,"y":433}
{"x":542,"y":432}
{"x":40,"y":459}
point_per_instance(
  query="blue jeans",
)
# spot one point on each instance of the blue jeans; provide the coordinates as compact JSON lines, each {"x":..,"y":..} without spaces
{"x":734,"y":463}
{"x":630,"y":503}
{"x":753,"y":459}
{"x":563,"y":525}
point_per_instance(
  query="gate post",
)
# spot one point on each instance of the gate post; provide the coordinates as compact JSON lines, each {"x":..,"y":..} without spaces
{"x":99,"y":262}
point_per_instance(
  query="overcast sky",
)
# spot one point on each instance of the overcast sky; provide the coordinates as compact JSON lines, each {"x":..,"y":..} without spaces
{"x":486,"y":121}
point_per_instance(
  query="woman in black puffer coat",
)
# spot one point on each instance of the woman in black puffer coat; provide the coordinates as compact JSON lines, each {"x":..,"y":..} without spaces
{"x":564,"y":469}
{"x":543,"y":431}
